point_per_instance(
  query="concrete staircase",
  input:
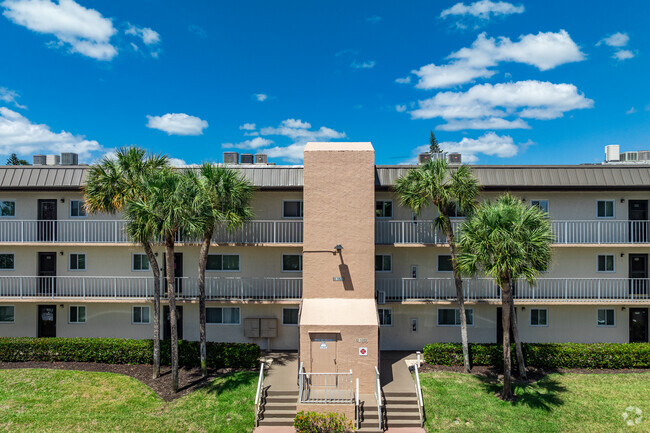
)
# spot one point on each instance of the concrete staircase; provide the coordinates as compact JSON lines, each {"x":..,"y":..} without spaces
{"x":401,"y":409}
{"x":369,"y":416}
{"x":278,"y":407}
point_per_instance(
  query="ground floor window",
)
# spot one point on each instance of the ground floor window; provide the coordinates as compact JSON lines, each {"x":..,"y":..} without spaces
{"x":77,"y":314}
{"x":385,"y":316}
{"x":289,"y":316}
{"x":140,"y":315}
{"x":606,"y":317}
{"x":6,"y":313}
{"x":223,"y":262}
{"x":222,"y":315}
{"x":451,"y":316}
{"x":383,"y":263}
{"x":538,"y":317}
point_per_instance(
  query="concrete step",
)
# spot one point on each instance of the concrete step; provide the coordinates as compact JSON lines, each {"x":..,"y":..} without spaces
{"x":369,"y":430}
{"x":282,"y":392}
{"x":402,"y":407}
{"x":402,"y":423}
{"x":268,"y":414}
{"x":279,"y":422}
{"x":273,"y":407}
{"x":400,"y":400}
{"x":395,"y":416}
{"x":400,"y":394}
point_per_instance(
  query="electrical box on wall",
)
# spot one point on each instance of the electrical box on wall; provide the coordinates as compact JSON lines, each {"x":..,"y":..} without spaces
{"x":268,"y":328}
{"x":252,"y":328}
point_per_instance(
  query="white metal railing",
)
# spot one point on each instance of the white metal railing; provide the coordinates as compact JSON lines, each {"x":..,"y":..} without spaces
{"x":113,"y":231}
{"x":85,"y":287}
{"x":566,"y":232}
{"x":378,"y":397}
{"x":357,"y":408}
{"x":325,"y":388}
{"x":418,"y":391}
{"x":545,"y":290}
{"x":258,"y":394}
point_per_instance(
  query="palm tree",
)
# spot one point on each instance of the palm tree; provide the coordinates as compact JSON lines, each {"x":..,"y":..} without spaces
{"x":110,"y":185}
{"x":436,"y":183}
{"x":163,"y":211}
{"x":222,"y":197}
{"x":506,"y":240}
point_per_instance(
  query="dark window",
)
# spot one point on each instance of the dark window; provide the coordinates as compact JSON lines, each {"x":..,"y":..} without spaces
{"x":385,"y":316}
{"x":292,"y":209}
{"x":222,"y":315}
{"x":538,"y":317}
{"x":383,"y":263}
{"x":384,"y":209}
{"x":77,"y":314}
{"x":291,"y":263}
{"x":7,"y":261}
{"x":140,"y":315}
{"x":606,"y":317}
{"x":444,"y":263}
{"x":7,"y":208}
{"x":140,"y":262}
{"x":451,"y":316}
{"x":77,"y":208}
{"x":289,"y":316}
{"x":223,"y":262}
{"x":6,"y":313}
{"x":605,"y":208}
{"x":606,"y":263}
{"x":77,"y":262}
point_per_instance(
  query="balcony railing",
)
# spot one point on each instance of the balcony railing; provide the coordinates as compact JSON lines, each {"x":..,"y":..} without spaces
{"x":566,"y":232}
{"x":113,"y":231}
{"x":546,"y":290}
{"x":217,"y":288}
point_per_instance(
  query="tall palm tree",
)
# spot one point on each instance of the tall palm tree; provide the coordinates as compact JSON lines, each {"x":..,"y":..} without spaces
{"x":222,"y":198}
{"x":448,"y":188}
{"x":506,"y":240}
{"x":110,"y":185}
{"x":164,"y":211}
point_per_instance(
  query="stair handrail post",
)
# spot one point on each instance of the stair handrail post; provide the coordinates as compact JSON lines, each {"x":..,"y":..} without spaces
{"x":258,"y":395}
{"x":418,"y":391}
{"x":378,"y":397}
{"x":300,"y":383}
{"x":358,"y":409}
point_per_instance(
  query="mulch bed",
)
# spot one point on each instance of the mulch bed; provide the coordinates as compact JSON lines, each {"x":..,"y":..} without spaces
{"x":189,"y":379}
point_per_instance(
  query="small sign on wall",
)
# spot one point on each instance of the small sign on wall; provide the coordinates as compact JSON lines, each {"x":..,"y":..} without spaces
{"x":363,"y":351}
{"x":323,"y":345}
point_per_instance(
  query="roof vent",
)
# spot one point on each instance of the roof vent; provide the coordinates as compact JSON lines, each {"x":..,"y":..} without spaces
{"x":39,"y":160}
{"x":246,"y":158}
{"x":69,"y":158}
{"x":231,"y":158}
{"x":612,"y":153}
{"x":260,"y":158}
{"x":52,"y":159}
{"x":454,"y":158}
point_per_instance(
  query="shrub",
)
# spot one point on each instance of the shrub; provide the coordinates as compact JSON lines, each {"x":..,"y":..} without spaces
{"x":124,"y":351}
{"x":547,"y":355}
{"x":312,"y":422}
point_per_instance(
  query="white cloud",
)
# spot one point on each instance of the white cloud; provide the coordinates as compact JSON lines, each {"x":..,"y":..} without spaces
{"x":18,"y":134}
{"x":543,"y":50}
{"x":623,"y":55}
{"x":491,"y":144}
{"x":404,"y":80}
{"x":400,"y":108}
{"x":482,"y":9}
{"x":254,"y":143}
{"x":616,"y":40}
{"x":296,"y":123}
{"x":84,"y":30}
{"x":632,"y":110}
{"x":373,"y":19}
{"x":177,"y":124}
{"x":10,"y":97}
{"x":363,"y":65}
{"x":261,"y":97}
{"x":489,"y":123}
{"x":247,"y":127}
{"x":148,"y":36}
{"x":176,"y":162}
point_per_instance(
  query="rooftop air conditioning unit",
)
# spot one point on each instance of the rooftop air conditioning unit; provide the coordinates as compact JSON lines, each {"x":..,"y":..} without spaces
{"x":439,"y":155}
{"x":39,"y":160}
{"x":644,"y":155}
{"x":260,"y":158}
{"x":69,"y":159}
{"x":231,"y":158}
{"x":246,"y":158}
{"x":612,"y":152}
{"x":381,"y":297}
{"x":423,"y":158}
{"x":454,"y":158}
{"x":52,"y":159}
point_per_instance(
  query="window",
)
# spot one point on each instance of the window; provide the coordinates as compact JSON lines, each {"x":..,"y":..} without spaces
{"x":453,"y":211}
{"x":77,"y":262}
{"x":606,"y":263}
{"x":222,"y":315}
{"x":7,"y":208}
{"x":6,"y":314}
{"x":223,"y":262}
{"x":414,"y":271}
{"x":384,"y":209}
{"x":292,"y":209}
{"x":444,"y":263}
{"x":451,"y":316}
{"x":77,"y":314}
{"x":605,"y":208}
{"x":140,"y":315}
{"x":140,"y":262}
{"x":77,"y":209}
{"x":538,"y":317}
{"x":385,"y":316}
{"x":541,"y":204}
{"x":289,"y":316}
{"x":606,"y":317}
{"x":7,"y":262}
{"x":291,"y":263}
{"x":383,"y":263}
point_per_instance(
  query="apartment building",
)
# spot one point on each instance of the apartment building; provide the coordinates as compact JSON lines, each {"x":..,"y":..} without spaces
{"x":300,"y":276}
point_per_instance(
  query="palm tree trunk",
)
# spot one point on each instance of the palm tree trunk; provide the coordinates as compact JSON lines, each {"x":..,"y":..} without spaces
{"x":203,"y":261}
{"x":156,"y":308}
{"x":506,"y":295}
{"x":458,"y":281}
{"x":515,"y":334}
{"x":171,"y":283}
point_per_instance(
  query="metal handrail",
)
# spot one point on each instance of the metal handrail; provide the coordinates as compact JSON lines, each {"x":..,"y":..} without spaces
{"x":380,"y":417}
{"x":300,"y":382}
{"x":258,"y":394}
{"x":418,"y":391}
{"x":357,"y":408}
{"x":325,"y":388}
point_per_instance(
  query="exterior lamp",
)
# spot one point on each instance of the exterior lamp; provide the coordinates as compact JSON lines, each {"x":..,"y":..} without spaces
{"x":338,"y":248}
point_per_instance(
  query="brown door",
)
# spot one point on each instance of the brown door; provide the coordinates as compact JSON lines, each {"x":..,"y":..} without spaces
{"x":46,"y":220}
{"x":638,"y":216}
{"x":638,"y":274}
{"x":178,"y":273}
{"x":638,"y":325}
{"x":323,"y":352}
{"x":167,"y":325}
{"x":47,"y":274}
{"x":47,"y":320}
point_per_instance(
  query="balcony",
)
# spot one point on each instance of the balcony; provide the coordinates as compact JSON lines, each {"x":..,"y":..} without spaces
{"x":549,"y":290}
{"x":141,"y":288}
{"x":574,"y":232}
{"x":112,"y":232}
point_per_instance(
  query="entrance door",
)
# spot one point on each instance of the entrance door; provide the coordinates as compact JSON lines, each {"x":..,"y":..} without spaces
{"x":638,"y":275}
{"x":178,"y":273}
{"x":638,"y":215}
{"x":47,"y":320}
{"x":323,"y":352}
{"x":46,"y":220}
{"x":500,"y":327}
{"x":167,"y":325}
{"x":47,"y":274}
{"x":638,"y":325}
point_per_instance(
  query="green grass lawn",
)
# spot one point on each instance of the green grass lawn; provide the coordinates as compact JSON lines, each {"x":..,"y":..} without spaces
{"x":41,"y":400}
{"x":589,"y":403}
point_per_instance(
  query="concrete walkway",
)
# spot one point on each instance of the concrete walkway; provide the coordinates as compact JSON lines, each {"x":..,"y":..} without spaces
{"x":394,"y":373}
{"x":282,"y":373}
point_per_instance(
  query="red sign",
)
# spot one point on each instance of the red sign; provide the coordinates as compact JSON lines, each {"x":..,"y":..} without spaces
{"x":363,"y":351}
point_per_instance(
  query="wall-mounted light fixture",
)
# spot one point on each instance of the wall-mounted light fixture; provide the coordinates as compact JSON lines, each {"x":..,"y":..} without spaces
{"x":60,"y":253}
{"x":62,"y":200}
{"x":338,"y":248}
{"x":622,"y":200}
{"x":523,"y":308}
{"x":622,"y":254}
{"x":622,"y":308}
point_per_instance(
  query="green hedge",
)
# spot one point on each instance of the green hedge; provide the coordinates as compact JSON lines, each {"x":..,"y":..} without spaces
{"x":547,"y":355}
{"x":124,"y":351}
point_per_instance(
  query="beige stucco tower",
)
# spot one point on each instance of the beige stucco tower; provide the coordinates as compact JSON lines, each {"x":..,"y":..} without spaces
{"x":339,"y":327}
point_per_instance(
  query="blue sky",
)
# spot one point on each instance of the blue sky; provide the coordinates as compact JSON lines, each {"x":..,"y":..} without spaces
{"x":530,"y":82}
